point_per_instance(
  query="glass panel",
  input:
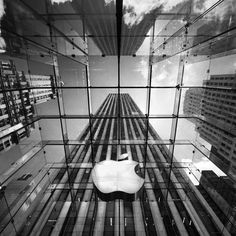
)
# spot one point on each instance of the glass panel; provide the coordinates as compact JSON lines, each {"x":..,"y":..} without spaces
{"x":30,"y":200}
{"x":134,"y":71}
{"x":54,"y":153}
{"x":72,"y":73}
{"x":162,"y":127}
{"x":137,"y":98}
{"x":162,"y":101}
{"x":50,"y":129}
{"x":98,"y":99}
{"x":197,"y":72}
{"x":103,"y":71}
{"x":76,"y":128}
{"x":8,"y":229}
{"x":75,"y":101}
{"x":165,"y":72}
{"x":6,"y":225}
{"x":185,"y":144}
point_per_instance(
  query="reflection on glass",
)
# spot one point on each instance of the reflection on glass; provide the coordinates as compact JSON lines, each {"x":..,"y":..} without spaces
{"x":67,"y":101}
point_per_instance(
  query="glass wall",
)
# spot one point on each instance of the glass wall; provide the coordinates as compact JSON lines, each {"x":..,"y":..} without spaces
{"x":84,"y":82}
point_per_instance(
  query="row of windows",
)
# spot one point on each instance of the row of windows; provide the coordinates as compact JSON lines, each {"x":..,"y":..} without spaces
{"x":41,"y":97}
{"x":40,"y":79}
{"x":42,"y":91}
{"x":222,"y":78}
{"x":4,"y":144}
{"x":221,"y":84}
{"x":219,"y":100}
{"x":226,"y":146}
{"x":219,"y":109}
{"x":229,"y":94}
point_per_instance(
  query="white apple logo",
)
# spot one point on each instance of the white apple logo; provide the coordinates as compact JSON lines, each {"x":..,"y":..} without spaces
{"x":111,"y":176}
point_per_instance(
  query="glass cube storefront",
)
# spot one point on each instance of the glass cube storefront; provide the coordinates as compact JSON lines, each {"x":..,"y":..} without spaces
{"x":83,"y":82}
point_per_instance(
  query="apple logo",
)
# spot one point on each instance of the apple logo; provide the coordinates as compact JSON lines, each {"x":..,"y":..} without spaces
{"x":122,"y":175}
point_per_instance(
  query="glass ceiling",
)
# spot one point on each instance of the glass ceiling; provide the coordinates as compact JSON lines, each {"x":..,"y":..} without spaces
{"x":176,"y":59}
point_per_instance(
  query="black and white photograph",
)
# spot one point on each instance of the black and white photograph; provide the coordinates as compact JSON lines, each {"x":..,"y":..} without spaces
{"x":117,"y":117}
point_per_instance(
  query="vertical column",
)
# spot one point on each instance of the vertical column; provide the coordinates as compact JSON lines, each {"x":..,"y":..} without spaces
{"x":109,"y":149}
{"x":139,"y":224}
{"x":149,"y":84}
{"x":101,"y":206}
{"x":137,"y":211}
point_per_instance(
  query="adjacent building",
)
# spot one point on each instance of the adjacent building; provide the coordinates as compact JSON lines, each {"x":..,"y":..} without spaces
{"x":216,"y":104}
{"x":17,"y":101}
{"x":221,"y":190}
{"x":193,"y":103}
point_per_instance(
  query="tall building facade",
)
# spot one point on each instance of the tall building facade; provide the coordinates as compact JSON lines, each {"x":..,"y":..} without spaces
{"x":17,"y":101}
{"x":193,"y":103}
{"x":168,"y":203}
{"x":103,"y":28}
{"x":216,"y":105}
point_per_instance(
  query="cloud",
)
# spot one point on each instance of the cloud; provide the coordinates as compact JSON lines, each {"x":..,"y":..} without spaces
{"x":97,"y":69}
{"x":135,"y":10}
{"x":60,"y":1}
{"x":108,"y":1}
{"x":2,"y":41}
{"x":186,"y":160}
{"x":2,"y":12}
{"x":201,"y":6}
{"x":2,"y":45}
{"x":165,"y":73}
{"x":143,"y":68}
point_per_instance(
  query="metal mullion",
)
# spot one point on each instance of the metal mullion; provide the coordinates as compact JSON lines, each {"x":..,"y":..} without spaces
{"x":148,"y":101}
{"x":60,"y":108}
{"x":119,"y":9}
{"x":109,"y":14}
{"x":114,"y":143}
{"x":121,"y":87}
{"x":176,"y":114}
{"x":109,"y":148}
{"x":88,"y":87}
{"x":89,"y":100}
{"x":128,"y":149}
{"x":121,"y":127}
{"x":89,"y":109}
{"x":40,"y":117}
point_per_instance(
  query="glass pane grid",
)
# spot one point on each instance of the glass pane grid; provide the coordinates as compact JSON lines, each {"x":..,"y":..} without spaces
{"x":102,"y":83}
